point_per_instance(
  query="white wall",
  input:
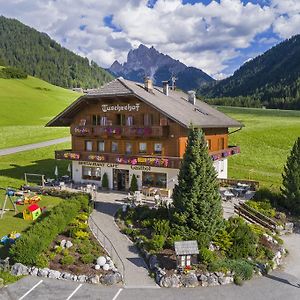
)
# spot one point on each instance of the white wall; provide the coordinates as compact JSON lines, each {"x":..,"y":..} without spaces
{"x":221,"y":167}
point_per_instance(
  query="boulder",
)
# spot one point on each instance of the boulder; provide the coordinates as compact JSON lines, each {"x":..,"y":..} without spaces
{"x":66,"y":276}
{"x":34,"y":271}
{"x":101,"y":261}
{"x":153,"y":262}
{"x":97,"y":267}
{"x":4,"y":264}
{"x":82,"y":278}
{"x":75,"y":278}
{"x":18,"y":269}
{"x":54,"y":274}
{"x":171,"y":281}
{"x":225,"y":280}
{"x":106,"y":267}
{"x":94,"y":279}
{"x":63,"y":243}
{"x":202,"y":278}
{"x":43,"y":272}
{"x":212,"y":280}
{"x":108,"y":259}
{"x":68,"y":244}
{"x":189,"y":280}
{"x":110,"y":279}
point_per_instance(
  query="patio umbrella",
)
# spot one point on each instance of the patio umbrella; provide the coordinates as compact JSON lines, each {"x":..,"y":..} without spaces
{"x":69,"y":168}
{"x":56,"y":171}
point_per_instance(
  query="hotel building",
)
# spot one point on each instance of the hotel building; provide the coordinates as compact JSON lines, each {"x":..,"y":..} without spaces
{"x":127,"y":128}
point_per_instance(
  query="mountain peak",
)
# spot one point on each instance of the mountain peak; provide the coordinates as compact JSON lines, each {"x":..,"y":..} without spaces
{"x":144,"y":61}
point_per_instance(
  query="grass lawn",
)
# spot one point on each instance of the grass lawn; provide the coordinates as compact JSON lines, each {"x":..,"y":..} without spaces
{"x":26,"y":106}
{"x":265,"y":142}
{"x":12,"y":169}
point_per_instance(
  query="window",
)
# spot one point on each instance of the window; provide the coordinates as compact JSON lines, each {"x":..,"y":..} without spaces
{"x":96,"y":120}
{"x":221,"y":143}
{"x":143,"y":147}
{"x":128,"y":148}
{"x":91,"y":173}
{"x":129,"y":121}
{"x":88,"y":146}
{"x":208,"y":143}
{"x":101,"y":146}
{"x":114,"y":146}
{"x":163,"y":121}
{"x":120,"y":119}
{"x":158,"y":148}
{"x":103,"y":121}
{"x":158,"y":180}
{"x":148,"y":119}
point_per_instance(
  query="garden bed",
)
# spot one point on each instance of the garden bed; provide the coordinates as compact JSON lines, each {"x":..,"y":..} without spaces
{"x":238,"y":250}
{"x":60,"y":245}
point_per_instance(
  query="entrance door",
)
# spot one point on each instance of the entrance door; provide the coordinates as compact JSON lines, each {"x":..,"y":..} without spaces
{"x":121,"y":179}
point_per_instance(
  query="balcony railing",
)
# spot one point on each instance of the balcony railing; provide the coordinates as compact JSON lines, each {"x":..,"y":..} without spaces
{"x":133,"y":160}
{"x":137,"y":160}
{"x":121,"y":131}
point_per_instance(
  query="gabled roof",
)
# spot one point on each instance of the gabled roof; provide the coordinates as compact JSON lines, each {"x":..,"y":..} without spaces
{"x":186,"y":247}
{"x":175,"y":105}
{"x":33,"y":207}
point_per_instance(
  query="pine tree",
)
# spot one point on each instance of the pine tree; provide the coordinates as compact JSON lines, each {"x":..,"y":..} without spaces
{"x":291,"y":180}
{"x":133,"y":184}
{"x":197,"y":202}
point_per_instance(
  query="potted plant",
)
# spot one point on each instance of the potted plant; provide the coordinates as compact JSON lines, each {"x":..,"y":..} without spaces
{"x":105,"y":182}
{"x":133,"y":185}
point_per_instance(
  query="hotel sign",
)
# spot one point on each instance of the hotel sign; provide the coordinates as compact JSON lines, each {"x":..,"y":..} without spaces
{"x":119,"y":107}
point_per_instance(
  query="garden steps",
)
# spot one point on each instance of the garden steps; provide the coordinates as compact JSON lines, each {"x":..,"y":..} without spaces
{"x":253,"y":216}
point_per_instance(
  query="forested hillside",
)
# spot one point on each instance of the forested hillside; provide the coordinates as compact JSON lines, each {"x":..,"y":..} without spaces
{"x":271,"y":80}
{"x":40,"y":56}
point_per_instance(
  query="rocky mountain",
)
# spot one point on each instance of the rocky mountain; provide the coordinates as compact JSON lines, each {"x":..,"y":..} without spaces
{"x":145,"y":61}
{"x":38,"y":55}
{"x":271,"y":79}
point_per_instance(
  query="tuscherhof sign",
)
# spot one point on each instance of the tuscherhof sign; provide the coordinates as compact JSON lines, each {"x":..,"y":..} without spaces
{"x":119,"y":107}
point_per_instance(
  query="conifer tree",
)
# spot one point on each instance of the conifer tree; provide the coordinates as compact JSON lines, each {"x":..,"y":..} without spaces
{"x":291,"y":180}
{"x":133,"y":184}
{"x":197,"y":202}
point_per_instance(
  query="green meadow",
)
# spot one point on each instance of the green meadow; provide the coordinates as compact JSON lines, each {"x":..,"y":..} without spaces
{"x":26,"y":106}
{"x":12,"y":169}
{"x":265,"y":141}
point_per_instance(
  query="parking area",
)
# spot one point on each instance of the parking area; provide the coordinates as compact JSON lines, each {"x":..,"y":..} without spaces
{"x":36,"y":288}
{"x":277,"y":286}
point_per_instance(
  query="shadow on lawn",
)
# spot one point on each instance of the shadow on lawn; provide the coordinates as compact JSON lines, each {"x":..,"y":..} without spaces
{"x":44,"y":166}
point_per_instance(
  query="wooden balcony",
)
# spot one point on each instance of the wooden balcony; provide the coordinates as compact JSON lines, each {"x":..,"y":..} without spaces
{"x":133,"y":160}
{"x":137,"y":160}
{"x":120,"y":131}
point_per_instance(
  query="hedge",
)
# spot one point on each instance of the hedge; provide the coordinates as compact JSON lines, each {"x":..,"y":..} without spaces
{"x":40,"y":235}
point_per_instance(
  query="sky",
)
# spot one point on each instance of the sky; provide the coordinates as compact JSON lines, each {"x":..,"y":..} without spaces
{"x":216,"y":36}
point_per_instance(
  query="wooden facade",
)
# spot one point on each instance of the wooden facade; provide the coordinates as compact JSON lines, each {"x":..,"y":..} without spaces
{"x":128,"y":130}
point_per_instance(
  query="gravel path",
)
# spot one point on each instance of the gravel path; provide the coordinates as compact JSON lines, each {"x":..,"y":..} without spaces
{"x":136,"y":271}
{"x":13,"y":150}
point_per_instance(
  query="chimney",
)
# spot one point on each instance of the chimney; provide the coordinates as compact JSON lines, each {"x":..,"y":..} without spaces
{"x":173,"y":79}
{"x":166,"y":87}
{"x":192,"y":97}
{"x":148,"y":85}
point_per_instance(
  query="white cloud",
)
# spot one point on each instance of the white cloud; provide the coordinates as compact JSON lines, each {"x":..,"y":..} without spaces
{"x":202,"y":36}
{"x":287,"y":22}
